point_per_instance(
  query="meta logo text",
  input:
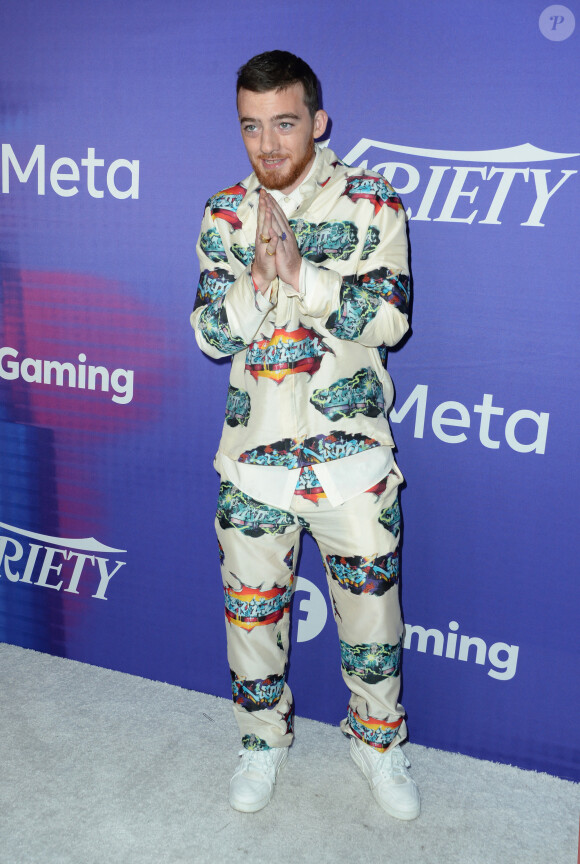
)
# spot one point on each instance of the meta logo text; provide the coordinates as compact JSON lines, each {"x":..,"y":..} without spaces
{"x":450,"y":415}
{"x":66,"y":176}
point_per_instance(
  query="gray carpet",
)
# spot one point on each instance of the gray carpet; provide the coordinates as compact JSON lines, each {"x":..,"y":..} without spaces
{"x":98,"y":767}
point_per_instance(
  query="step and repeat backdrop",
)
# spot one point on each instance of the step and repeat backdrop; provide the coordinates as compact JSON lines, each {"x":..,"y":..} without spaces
{"x":118,"y":122}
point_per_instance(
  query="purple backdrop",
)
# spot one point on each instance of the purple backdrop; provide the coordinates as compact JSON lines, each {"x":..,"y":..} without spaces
{"x":118,"y":122}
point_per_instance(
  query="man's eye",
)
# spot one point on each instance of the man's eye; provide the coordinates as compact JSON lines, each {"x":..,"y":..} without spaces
{"x":285,"y":126}
{"x":249,"y":128}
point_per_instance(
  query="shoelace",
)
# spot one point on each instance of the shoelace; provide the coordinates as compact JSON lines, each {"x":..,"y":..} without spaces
{"x":394,"y":763}
{"x":250,"y":758}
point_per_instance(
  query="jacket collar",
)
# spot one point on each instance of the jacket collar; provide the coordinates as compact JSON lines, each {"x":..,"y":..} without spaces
{"x":319,"y":177}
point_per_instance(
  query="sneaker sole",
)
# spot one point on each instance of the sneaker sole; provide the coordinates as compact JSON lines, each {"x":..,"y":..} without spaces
{"x":405,"y":816}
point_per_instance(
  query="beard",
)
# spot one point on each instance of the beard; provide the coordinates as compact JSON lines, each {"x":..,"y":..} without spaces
{"x":283,"y":178}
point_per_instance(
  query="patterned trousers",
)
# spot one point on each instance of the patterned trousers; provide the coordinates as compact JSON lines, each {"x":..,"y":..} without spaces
{"x":358,"y":541}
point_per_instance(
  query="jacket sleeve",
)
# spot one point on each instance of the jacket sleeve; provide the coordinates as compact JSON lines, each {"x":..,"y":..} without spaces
{"x":370,"y":305}
{"x":228,"y":312}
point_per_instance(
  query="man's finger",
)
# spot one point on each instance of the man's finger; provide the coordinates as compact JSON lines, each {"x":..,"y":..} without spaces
{"x":267,"y":224}
{"x":279,"y":214}
{"x":277,"y":226}
{"x":261,"y":215}
{"x":264,"y":222}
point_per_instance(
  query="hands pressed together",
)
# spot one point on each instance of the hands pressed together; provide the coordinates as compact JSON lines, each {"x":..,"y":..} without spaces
{"x":276,"y":252}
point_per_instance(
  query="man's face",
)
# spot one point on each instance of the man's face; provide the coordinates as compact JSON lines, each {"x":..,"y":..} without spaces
{"x":278,"y":133}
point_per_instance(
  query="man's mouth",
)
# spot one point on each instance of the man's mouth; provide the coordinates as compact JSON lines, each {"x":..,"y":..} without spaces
{"x":273,"y":163}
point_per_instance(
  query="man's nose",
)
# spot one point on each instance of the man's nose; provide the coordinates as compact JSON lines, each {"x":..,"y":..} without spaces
{"x":269,"y":142}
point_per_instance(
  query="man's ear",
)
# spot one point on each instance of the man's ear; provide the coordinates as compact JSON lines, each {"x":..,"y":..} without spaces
{"x":320,"y":123}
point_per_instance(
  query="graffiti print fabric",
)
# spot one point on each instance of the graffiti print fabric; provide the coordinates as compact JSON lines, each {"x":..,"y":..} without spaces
{"x":358,"y":542}
{"x":307,"y":382}
{"x":308,"y":393}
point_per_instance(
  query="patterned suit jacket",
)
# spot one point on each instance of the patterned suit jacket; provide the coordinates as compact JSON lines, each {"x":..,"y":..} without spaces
{"x":307,"y":382}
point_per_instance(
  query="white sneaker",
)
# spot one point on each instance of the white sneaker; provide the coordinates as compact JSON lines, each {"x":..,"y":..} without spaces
{"x":387,"y":774}
{"x":252,"y":785}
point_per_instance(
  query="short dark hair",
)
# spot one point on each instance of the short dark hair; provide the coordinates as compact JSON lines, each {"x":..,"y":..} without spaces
{"x":277,"y":70}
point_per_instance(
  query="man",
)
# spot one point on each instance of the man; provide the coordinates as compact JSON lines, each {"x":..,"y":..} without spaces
{"x":304,"y":281}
